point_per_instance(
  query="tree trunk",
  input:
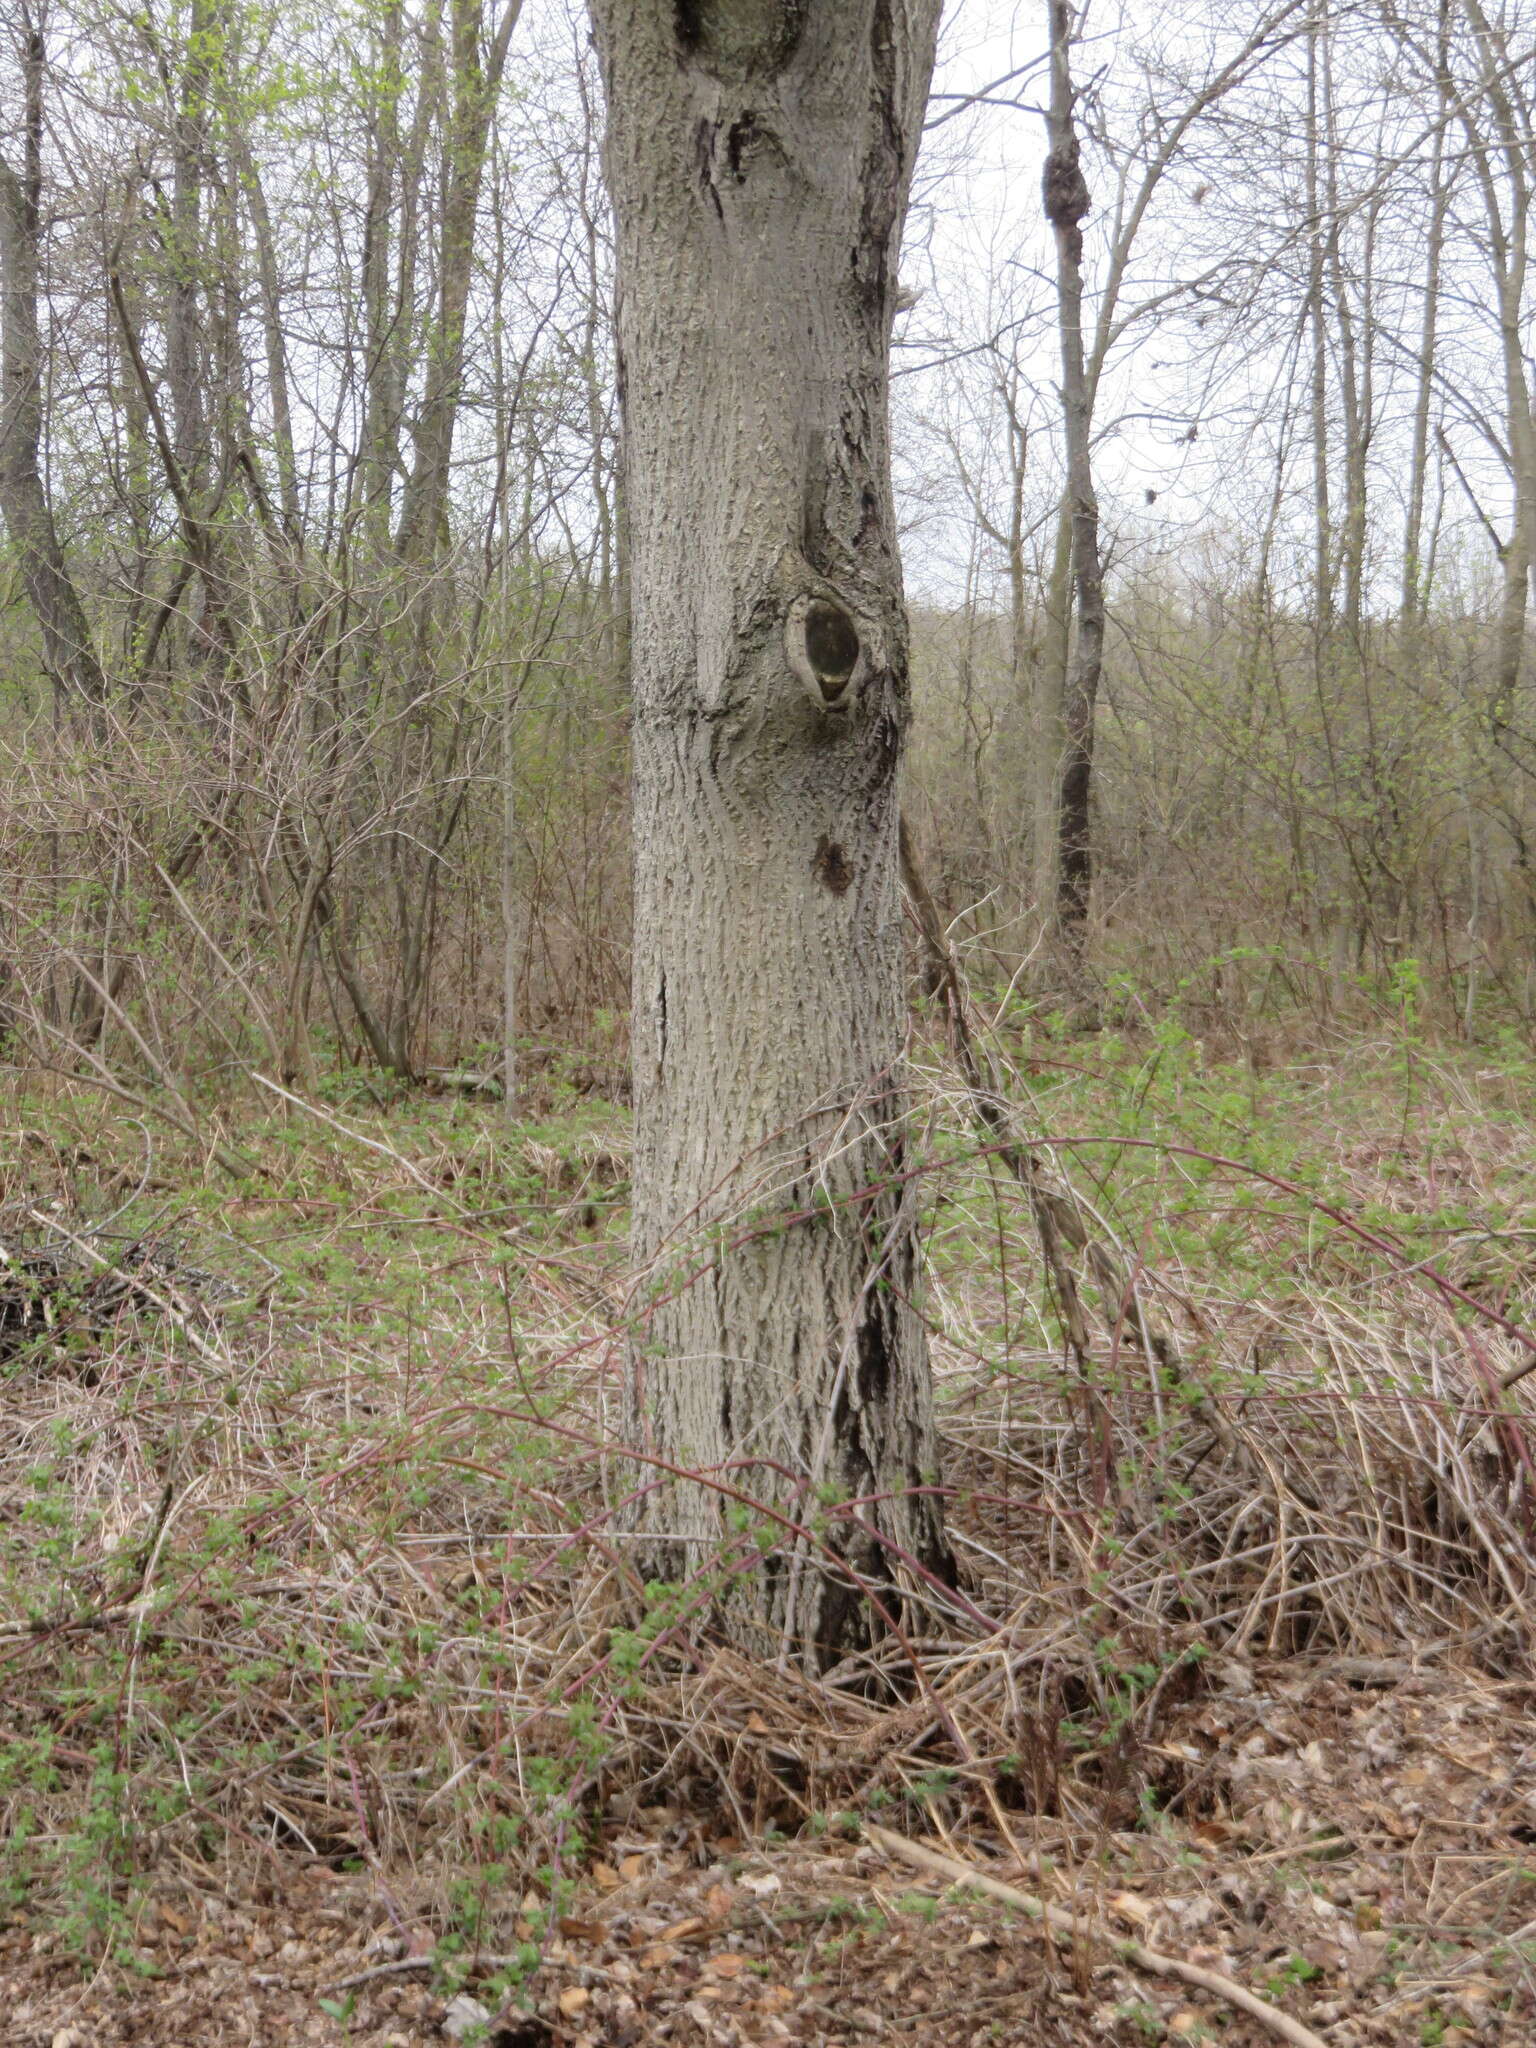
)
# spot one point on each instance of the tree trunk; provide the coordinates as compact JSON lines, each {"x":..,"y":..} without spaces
{"x":68,"y":654}
{"x":1356,"y":345}
{"x":1323,"y":571}
{"x":1053,"y":672}
{"x":1414,"y":604}
{"x":475,"y":86}
{"x":1065,"y":194}
{"x":275,"y":345}
{"x":1509,"y":113}
{"x":186,"y":355}
{"x":759,"y":156}
{"x":386,"y":315}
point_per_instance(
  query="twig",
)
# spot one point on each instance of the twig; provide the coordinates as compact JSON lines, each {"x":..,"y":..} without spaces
{"x":406,"y":1964}
{"x":1280,"y":2024}
{"x":402,"y":1968}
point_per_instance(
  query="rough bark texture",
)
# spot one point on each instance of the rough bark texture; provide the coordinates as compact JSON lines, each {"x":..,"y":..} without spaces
{"x":759,"y":156}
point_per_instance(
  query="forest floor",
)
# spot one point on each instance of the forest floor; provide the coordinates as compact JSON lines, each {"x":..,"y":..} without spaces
{"x":329,"y":1710}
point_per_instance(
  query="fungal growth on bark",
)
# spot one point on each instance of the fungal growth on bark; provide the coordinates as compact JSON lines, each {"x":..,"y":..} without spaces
{"x":1063,"y":188}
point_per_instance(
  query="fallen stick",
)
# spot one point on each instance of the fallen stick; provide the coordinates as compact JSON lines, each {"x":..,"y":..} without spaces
{"x":404,"y":1965}
{"x":1280,"y":2024}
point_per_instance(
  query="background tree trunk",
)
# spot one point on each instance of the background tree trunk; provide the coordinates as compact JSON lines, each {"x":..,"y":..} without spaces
{"x":1065,"y":194}
{"x":1512,"y":121}
{"x":67,"y":649}
{"x":474,"y":84}
{"x":759,"y":157}
{"x":1415,"y":581}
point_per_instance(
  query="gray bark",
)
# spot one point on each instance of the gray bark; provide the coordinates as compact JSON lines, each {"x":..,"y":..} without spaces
{"x":1065,"y":194}
{"x":1510,"y":115}
{"x":386,"y":317}
{"x":186,"y":361}
{"x":1052,"y":676}
{"x":68,"y":653}
{"x":475,"y":85}
{"x":276,"y":350}
{"x":1415,"y":596}
{"x":759,"y":156}
{"x":1323,"y":572}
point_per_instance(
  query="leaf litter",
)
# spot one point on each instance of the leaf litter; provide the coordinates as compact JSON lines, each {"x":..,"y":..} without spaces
{"x":1274,"y":1718}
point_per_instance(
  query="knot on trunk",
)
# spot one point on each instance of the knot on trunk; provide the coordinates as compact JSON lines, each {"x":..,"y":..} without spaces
{"x":1063,"y":186}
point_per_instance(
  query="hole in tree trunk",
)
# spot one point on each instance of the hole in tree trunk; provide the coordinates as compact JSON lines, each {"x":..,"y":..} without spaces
{"x":831,"y":646}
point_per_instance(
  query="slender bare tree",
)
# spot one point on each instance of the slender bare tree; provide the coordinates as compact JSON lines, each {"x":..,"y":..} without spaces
{"x":24,"y":504}
{"x":1065,"y":193}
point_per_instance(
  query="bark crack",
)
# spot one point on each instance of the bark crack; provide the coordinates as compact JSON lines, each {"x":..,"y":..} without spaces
{"x":704,"y":158}
{"x":874,"y":1379}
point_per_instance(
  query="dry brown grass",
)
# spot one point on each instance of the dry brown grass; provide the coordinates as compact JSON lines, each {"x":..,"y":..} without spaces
{"x":311,"y":1550}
